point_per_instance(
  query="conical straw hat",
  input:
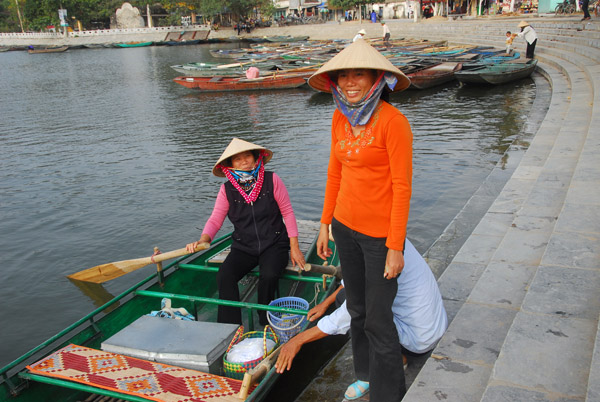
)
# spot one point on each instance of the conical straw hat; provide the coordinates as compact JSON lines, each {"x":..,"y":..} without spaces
{"x":523,"y":24}
{"x":358,"y":55}
{"x":235,"y":147}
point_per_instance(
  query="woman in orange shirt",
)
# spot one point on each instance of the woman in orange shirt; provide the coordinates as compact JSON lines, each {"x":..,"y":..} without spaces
{"x":367,"y":200}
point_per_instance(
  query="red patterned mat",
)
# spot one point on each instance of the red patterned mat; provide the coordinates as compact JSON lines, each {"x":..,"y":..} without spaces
{"x":151,"y":380}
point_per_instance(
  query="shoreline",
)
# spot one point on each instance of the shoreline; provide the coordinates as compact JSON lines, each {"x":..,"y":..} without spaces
{"x":330,"y":30}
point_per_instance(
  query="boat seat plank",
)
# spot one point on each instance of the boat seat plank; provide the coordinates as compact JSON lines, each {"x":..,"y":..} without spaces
{"x":216,"y":78}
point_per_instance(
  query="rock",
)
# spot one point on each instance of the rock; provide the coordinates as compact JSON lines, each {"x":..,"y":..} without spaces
{"x":129,"y":17}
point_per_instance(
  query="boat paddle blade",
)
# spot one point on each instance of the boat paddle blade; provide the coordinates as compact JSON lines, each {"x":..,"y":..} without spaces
{"x":106,"y":272}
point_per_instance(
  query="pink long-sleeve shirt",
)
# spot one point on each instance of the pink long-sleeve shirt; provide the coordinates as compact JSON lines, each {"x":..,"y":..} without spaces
{"x":282,"y":198}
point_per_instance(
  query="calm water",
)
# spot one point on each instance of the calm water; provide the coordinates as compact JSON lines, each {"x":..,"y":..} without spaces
{"x":104,"y":157}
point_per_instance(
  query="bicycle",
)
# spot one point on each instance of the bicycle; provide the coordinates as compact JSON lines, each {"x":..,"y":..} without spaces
{"x":566,"y":7}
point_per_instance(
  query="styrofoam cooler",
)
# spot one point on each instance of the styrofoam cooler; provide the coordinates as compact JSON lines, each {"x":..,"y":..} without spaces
{"x":195,"y":345}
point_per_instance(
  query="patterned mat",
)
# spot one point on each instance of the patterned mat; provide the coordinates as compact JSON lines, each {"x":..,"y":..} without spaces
{"x":151,"y":380}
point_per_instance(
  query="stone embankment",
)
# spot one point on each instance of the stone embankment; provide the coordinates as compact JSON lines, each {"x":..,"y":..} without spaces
{"x":521,"y":288}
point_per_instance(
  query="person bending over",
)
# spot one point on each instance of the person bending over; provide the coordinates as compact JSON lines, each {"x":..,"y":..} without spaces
{"x":419,"y":316}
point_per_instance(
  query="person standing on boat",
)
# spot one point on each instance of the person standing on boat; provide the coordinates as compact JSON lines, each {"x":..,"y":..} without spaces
{"x":360,"y":35}
{"x":386,"y":33}
{"x":419,"y":316}
{"x":509,"y":42}
{"x":530,"y":36}
{"x":367,"y":199}
{"x":265,"y":229}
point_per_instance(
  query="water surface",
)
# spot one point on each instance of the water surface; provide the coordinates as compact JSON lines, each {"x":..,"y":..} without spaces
{"x":105,"y":157}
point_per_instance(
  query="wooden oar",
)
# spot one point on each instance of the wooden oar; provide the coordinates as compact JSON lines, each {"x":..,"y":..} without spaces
{"x":253,"y":375}
{"x":106,"y":272}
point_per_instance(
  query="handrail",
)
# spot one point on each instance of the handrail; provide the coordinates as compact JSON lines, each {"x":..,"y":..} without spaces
{"x":91,"y":315}
{"x":299,"y":278}
{"x":220,"y":302}
{"x":80,"y":387}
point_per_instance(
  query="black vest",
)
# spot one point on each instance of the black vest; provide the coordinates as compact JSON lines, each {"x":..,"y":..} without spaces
{"x":257,"y":225}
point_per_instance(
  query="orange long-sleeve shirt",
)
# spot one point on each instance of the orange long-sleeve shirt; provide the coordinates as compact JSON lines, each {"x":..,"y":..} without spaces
{"x":369,"y":176}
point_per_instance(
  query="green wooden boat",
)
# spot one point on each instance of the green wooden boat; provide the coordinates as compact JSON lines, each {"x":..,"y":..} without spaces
{"x":133,"y":44}
{"x":497,"y":74}
{"x":189,"y":282}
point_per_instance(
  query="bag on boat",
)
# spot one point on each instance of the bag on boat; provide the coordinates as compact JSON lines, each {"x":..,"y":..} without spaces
{"x":252,"y":72}
{"x":166,"y":311}
{"x":245,"y":351}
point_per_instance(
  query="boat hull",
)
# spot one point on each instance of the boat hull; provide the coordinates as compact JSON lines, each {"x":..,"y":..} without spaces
{"x":133,"y":44}
{"x":433,"y":76}
{"x":220,"y":84}
{"x":48,"y":50}
{"x":497,"y":74}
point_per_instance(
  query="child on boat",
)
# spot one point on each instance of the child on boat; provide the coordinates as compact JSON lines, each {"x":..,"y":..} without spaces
{"x":257,"y":204}
{"x":509,"y":40}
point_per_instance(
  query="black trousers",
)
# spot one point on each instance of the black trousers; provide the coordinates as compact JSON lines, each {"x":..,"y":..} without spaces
{"x":530,"y":49}
{"x":586,"y":8}
{"x":375,"y":345}
{"x":272,"y":262}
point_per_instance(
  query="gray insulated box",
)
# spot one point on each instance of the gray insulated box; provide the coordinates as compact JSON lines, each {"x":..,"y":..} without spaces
{"x":195,"y":345}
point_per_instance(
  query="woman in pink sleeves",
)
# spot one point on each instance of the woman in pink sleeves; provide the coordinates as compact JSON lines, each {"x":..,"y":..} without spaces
{"x":265,"y":230}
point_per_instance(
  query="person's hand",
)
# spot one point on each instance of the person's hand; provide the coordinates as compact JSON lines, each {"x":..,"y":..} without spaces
{"x":323,"y":250}
{"x":316,"y":312}
{"x":394,"y":263}
{"x":191,"y":247}
{"x":288,"y":351}
{"x":297,"y":257}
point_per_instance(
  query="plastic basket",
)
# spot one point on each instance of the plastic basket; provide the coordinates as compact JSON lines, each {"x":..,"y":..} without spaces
{"x":287,"y":325}
{"x":237,"y":370}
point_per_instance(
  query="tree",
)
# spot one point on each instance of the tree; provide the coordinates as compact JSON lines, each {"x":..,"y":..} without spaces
{"x":345,"y":4}
{"x":10,"y":10}
{"x":210,"y":8}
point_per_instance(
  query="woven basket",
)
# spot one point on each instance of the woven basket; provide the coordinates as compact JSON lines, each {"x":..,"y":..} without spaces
{"x":237,"y":370}
{"x":287,"y":325}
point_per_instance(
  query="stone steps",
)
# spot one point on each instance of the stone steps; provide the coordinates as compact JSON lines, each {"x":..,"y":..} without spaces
{"x":522,"y":292}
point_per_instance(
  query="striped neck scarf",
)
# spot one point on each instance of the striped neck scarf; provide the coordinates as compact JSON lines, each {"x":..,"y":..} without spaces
{"x":360,"y":112}
{"x":247,"y":183}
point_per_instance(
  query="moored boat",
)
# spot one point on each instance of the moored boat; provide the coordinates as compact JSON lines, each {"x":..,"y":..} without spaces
{"x":133,"y":44}
{"x":57,"y":370}
{"x":286,"y":38}
{"x":55,"y":49}
{"x":432,"y":76}
{"x":496,"y":74}
{"x":220,"y":83}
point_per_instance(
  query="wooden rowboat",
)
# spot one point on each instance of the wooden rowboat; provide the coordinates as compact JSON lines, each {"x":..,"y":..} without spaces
{"x":432,"y":76}
{"x":48,"y":50}
{"x":133,"y":44}
{"x":497,"y":74}
{"x":57,"y":370}
{"x":220,"y":83}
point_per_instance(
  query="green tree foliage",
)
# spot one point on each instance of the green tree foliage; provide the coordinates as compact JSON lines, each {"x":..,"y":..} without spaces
{"x":346,"y":4}
{"x":9,"y":20}
{"x":209,"y":9}
{"x":37,"y":14}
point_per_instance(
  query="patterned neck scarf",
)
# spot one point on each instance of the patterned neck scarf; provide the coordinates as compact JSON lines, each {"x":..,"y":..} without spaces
{"x":360,"y":112}
{"x":247,"y":183}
